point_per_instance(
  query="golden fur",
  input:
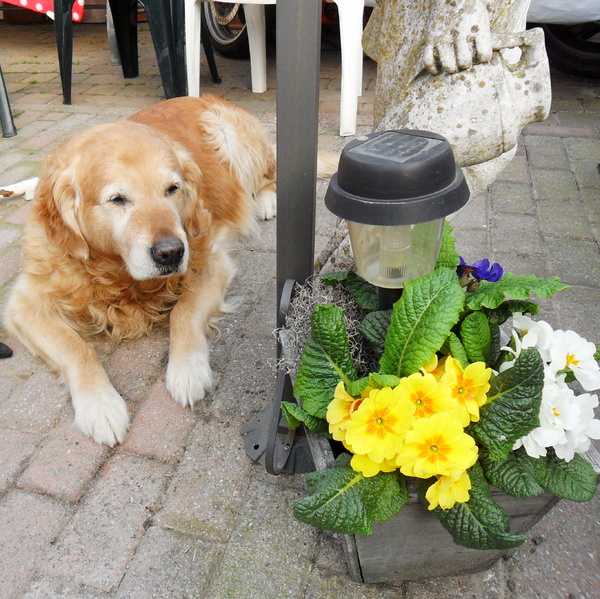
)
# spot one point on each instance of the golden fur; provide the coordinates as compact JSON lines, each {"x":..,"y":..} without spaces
{"x":130,"y":228}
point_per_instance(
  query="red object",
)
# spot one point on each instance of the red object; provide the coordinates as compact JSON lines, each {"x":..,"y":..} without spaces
{"x":47,"y":7}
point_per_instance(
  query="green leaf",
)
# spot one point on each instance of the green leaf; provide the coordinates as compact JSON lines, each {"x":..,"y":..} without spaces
{"x":506,"y":309}
{"x":374,"y":380}
{"x":457,"y":349}
{"x":519,"y":287}
{"x":480,"y":523}
{"x":379,"y":381}
{"x":575,"y":480}
{"x":496,"y":344}
{"x":476,"y":337}
{"x":332,"y":278}
{"x":363,"y":293}
{"x":344,"y":501}
{"x":421,"y":321}
{"x":357,"y":387}
{"x":448,"y":258}
{"x":374,"y":328}
{"x":325,"y":362}
{"x":512,"y":475}
{"x":515,"y":396}
{"x":295,"y":414}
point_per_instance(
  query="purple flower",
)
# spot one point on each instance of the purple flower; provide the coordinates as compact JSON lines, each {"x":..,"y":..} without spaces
{"x":471,"y":274}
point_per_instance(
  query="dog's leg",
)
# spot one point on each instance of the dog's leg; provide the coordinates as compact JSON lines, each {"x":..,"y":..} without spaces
{"x":100,"y":411}
{"x":266,"y":202}
{"x":189,"y":375}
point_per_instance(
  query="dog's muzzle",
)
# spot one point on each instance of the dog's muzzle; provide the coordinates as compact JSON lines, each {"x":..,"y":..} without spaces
{"x":168,"y":253}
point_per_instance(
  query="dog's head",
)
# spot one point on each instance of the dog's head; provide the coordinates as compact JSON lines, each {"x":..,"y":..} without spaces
{"x":123,"y":190}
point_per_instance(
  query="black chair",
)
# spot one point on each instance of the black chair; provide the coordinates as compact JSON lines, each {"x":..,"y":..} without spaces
{"x":167,"y":27}
{"x":6,"y":118}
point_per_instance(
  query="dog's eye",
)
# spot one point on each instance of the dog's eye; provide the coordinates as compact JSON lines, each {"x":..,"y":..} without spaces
{"x":118,"y":199}
{"x":173,"y":189}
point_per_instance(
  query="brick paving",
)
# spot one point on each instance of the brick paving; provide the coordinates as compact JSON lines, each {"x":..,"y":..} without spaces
{"x":179,"y":510}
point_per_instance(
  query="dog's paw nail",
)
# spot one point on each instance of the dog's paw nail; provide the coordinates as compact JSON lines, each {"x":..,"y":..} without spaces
{"x":101,"y":415}
{"x":189,"y":378}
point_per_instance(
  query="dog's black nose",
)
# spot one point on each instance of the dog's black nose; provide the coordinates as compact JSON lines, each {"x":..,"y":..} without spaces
{"x":168,"y":251}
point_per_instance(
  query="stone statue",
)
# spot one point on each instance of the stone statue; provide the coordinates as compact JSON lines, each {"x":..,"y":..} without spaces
{"x":466,"y":69}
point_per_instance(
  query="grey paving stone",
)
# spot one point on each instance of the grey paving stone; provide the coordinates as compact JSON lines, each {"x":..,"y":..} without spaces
{"x":545,"y":567}
{"x":554,"y":185}
{"x":47,"y":587}
{"x":29,"y":525}
{"x":98,"y":544}
{"x":169,"y":563}
{"x":574,"y":261}
{"x":270,"y":554}
{"x":564,"y":218}
{"x":510,"y":197}
{"x":205,"y":495}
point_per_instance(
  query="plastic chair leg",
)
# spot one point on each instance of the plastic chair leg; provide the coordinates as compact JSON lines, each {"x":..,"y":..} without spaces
{"x":193,"y":28}
{"x":124,"y":14}
{"x":255,"y":22}
{"x":351,"y":27}
{"x":6,"y":118}
{"x":208,"y":51}
{"x":63,"y":30}
{"x":166,"y":23}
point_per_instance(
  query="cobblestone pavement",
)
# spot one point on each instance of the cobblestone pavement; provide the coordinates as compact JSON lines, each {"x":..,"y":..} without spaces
{"x":179,"y":510}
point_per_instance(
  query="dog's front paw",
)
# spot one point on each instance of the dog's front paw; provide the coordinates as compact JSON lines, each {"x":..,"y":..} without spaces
{"x":266,"y":204}
{"x":189,"y":377}
{"x":102,"y":415}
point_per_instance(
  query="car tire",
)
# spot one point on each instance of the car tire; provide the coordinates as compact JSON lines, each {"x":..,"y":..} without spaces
{"x":574,"y":49}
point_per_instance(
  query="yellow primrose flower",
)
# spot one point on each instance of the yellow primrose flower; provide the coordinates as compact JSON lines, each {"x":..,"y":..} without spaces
{"x":365,"y":465}
{"x":429,"y":396}
{"x":436,"y":446}
{"x":435,"y":366}
{"x":448,"y":490}
{"x":468,"y":387}
{"x":339,"y":411}
{"x":377,"y":427}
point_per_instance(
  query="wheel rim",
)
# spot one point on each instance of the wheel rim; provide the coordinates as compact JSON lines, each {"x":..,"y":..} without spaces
{"x":225,"y":22}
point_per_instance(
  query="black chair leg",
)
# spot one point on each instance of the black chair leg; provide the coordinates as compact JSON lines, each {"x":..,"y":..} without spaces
{"x":208,"y":50}
{"x":63,"y":30}
{"x":163,"y":18}
{"x":6,"y":118}
{"x":124,"y":13}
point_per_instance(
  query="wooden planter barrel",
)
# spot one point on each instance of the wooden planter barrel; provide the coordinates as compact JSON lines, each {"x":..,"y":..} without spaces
{"x":414,"y":545}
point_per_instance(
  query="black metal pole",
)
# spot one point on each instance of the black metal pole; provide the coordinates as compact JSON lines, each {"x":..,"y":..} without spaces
{"x":298,"y":63}
{"x":298,"y":66}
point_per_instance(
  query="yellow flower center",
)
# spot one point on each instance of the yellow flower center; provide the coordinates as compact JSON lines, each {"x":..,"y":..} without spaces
{"x":556,"y":412}
{"x":433,"y":448}
{"x":379,"y":421}
{"x":572,"y":360}
{"x":461,"y":390}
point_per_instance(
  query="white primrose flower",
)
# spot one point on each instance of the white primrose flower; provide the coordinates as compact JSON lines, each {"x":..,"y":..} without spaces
{"x":571,"y":352}
{"x":567,"y":422}
{"x":558,"y":413}
{"x":516,"y":352}
{"x":536,"y":334}
{"x":588,"y":427}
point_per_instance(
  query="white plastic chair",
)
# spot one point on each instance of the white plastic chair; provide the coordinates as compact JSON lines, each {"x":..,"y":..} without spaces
{"x":351,"y":26}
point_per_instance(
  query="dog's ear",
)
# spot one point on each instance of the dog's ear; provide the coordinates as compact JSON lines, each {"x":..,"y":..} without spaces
{"x":57,"y":203}
{"x":194,"y":219}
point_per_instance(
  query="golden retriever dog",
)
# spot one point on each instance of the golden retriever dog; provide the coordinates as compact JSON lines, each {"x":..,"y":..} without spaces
{"x":130,"y":228}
